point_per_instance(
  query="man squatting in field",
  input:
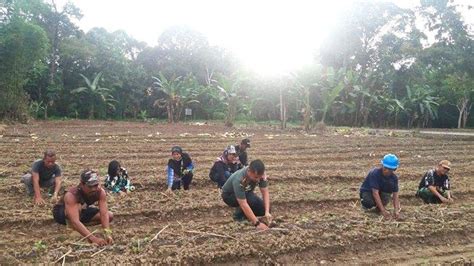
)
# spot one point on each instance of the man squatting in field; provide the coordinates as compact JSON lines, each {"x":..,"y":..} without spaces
{"x":434,"y":187}
{"x":45,"y":173}
{"x":379,"y":185}
{"x":238,"y":192}
{"x":74,"y":207}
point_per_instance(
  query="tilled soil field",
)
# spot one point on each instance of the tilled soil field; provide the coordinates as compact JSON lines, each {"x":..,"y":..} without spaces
{"x":314,"y":181}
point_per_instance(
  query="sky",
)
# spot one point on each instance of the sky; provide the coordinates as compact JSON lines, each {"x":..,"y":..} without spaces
{"x":268,"y":37}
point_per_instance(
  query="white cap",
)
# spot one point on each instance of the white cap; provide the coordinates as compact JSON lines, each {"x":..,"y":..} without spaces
{"x":231,"y":150}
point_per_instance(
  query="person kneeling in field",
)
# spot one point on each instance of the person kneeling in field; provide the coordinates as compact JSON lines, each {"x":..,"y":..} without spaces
{"x":379,"y":185}
{"x":45,"y":173}
{"x":238,"y":192}
{"x":117,"y":179}
{"x":434,"y":186}
{"x":180,"y":168}
{"x":242,"y":151}
{"x":227,"y":164}
{"x":74,"y":208}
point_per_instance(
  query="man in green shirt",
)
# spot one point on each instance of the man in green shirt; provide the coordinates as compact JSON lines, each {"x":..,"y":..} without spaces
{"x":238,"y":192}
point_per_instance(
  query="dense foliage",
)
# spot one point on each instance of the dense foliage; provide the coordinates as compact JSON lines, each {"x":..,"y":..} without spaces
{"x":381,"y":65}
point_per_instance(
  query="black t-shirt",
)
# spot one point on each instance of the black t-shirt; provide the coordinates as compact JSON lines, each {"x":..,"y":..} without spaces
{"x":45,"y":173}
{"x":376,"y":180}
{"x":181,"y":165}
{"x":219,"y":168}
{"x":431,"y":178}
{"x":242,"y":155}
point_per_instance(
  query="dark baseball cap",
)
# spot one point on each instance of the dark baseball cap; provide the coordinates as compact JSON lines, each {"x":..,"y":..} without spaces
{"x":246,"y":142}
{"x":90,"y":178}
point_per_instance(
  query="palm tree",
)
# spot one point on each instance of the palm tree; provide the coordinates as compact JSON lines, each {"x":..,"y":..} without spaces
{"x":95,"y":93}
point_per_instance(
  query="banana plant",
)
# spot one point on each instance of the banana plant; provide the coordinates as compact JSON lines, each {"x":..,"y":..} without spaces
{"x":95,"y":93}
{"x":228,"y":88}
{"x":171,"y":89}
{"x":420,"y":105}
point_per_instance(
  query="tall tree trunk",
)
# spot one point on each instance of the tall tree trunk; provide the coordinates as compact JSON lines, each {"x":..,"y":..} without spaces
{"x":367,"y":112}
{"x":360,"y":111}
{"x":463,"y":107}
{"x":307,"y":110}
{"x":307,"y":118}
{"x":323,"y":118}
{"x":282,"y":110}
{"x":461,"y":114}
{"x":91,"y":112}
{"x":466,"y":115}
{"x":169,"y":113}
{"x":231,"y":113}
{"x":54,"y":46}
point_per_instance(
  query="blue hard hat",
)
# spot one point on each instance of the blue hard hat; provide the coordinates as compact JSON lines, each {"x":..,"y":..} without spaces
{"x":390,"y":161}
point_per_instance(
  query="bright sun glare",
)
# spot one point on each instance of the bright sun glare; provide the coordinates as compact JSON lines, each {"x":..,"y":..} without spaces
{"x":268,"y":37}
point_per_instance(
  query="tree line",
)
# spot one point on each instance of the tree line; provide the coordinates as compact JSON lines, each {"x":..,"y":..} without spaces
{"x":380,"y":65}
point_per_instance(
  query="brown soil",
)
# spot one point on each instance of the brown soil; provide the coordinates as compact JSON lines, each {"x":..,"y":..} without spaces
{"x":314,"y":181}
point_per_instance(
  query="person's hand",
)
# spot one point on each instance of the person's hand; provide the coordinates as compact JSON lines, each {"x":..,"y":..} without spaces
{"x":269,"y":218}
{"x":39,"y":201}
{"x":386,"y":215}
{"x":396,"y":215}
{"x":98,"y":241}
{"x":109,"y":240}
{"x":186,"y":171}
{"x":445,"y":200}
{"x":450,"y":200}
{"x":262,"y":227}
{"x":55,"y":198}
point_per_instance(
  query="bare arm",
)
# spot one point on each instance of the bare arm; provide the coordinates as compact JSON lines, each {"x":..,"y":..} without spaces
{"x":36,"y":186}
{"x":449,"y":195}
{"x":57,"y":185}
{"x":396,"y":202}
{"x":378,"y":201}
{"x":104,"y":211}
{"x":396,"y":205}
{"x":250,"y":215}
{"x":436,"y":193}
{"x":247,"y":210}
{"x":266,"y":199}
{"x":71,"y":209}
